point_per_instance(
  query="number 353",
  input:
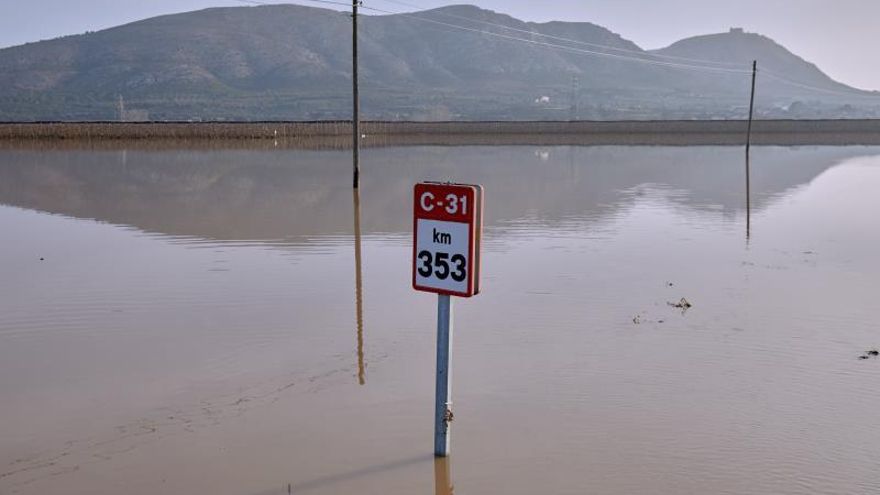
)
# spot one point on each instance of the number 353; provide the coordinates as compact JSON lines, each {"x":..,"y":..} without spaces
{"x":438,"y":264}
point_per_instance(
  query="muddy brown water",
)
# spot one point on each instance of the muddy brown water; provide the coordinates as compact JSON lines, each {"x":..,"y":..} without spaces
{"x":186,"y":321}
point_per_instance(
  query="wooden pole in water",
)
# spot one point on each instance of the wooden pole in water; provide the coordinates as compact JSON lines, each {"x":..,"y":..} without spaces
{"x":751,"y":107}
{"x":355,"y":117}
{"x":442,"y":410}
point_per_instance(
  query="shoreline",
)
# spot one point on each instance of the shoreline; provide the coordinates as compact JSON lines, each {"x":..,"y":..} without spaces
{"x":337,"y":134}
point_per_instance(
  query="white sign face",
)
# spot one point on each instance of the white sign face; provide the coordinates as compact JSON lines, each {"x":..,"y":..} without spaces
{"x":447,"y":228}
{"x":442,"y":253}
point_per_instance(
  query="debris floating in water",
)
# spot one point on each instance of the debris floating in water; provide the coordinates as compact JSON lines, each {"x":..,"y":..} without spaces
{"x":869,"y":354}
{"x":682,"y":304}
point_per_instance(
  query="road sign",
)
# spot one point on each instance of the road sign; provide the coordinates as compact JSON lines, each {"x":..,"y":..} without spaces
{"x":447,"y":232}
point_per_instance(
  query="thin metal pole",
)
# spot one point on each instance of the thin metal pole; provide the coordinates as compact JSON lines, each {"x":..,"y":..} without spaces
{"x":751,"y":107}
{"x":355,"y":116}
{"x":358,"y":286}
{"x":443,"y":403}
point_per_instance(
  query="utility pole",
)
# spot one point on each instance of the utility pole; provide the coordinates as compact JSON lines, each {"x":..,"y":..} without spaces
{"x":120,"y":107}
{"x":355,"y":117}
{"x":574,"y":98}
{"x":751,"y":107}
{"x":748,"y":146}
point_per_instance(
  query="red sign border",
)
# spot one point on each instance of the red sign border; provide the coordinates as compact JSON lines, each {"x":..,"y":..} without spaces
{"x":473,"y":257}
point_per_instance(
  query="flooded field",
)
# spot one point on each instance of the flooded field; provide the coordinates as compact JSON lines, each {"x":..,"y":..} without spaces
{"x":183,"y":321}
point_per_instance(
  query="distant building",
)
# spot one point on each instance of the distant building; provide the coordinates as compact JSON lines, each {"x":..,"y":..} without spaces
{"x":734,"y":30}
{"x":130,"y":114}
{"x":136,"y":115}
{"x":542,"y":99}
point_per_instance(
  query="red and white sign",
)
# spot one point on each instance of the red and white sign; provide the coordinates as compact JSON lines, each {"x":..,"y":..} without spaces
{"x":447,"y":230}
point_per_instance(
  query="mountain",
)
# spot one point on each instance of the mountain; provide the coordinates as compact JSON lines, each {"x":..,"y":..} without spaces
{"x":739,"y":47}
{"x":783,"y":76}
{"x":291,"y":62}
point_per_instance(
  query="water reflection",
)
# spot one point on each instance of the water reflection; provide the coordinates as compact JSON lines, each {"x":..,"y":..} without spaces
{"x":748,"y":198}
{"x":263,"y":195}
{"x":358,"y":285}
{"x":443,"y":476}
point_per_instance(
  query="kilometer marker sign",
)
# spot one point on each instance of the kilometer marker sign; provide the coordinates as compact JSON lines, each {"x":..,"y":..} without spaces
{"x":447,"y":230}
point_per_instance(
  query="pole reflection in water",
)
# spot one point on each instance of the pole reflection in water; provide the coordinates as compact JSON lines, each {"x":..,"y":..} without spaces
{"x":358,"y":285}
{"x":442,"y":476}
{"x":748,"y":199}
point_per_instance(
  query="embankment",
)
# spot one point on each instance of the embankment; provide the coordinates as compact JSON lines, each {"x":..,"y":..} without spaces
{"x":336,"y":134}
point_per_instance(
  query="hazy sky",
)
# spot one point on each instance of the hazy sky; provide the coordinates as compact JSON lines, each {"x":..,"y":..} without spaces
{"x":840,"y":36}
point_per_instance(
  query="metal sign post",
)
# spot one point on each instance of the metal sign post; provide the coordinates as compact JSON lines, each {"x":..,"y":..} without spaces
{"x":443,"y":404}
{"x":447,"y":234}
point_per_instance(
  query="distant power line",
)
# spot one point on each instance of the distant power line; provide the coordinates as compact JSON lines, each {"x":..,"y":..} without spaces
{"x":690,"y":66}
{"x":783,"y":80}
{"x":569,"y":49}
{"x":671,"y":61}
{"x":638,"y":58}
{"x":641,"y":53}
{"x":328,"y":2}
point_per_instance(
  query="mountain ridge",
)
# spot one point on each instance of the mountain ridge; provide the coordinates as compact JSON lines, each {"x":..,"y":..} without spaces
{"x":459,"y":62}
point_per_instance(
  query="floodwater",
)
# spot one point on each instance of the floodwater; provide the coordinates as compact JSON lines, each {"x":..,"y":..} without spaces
{"x":188,"y":321}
